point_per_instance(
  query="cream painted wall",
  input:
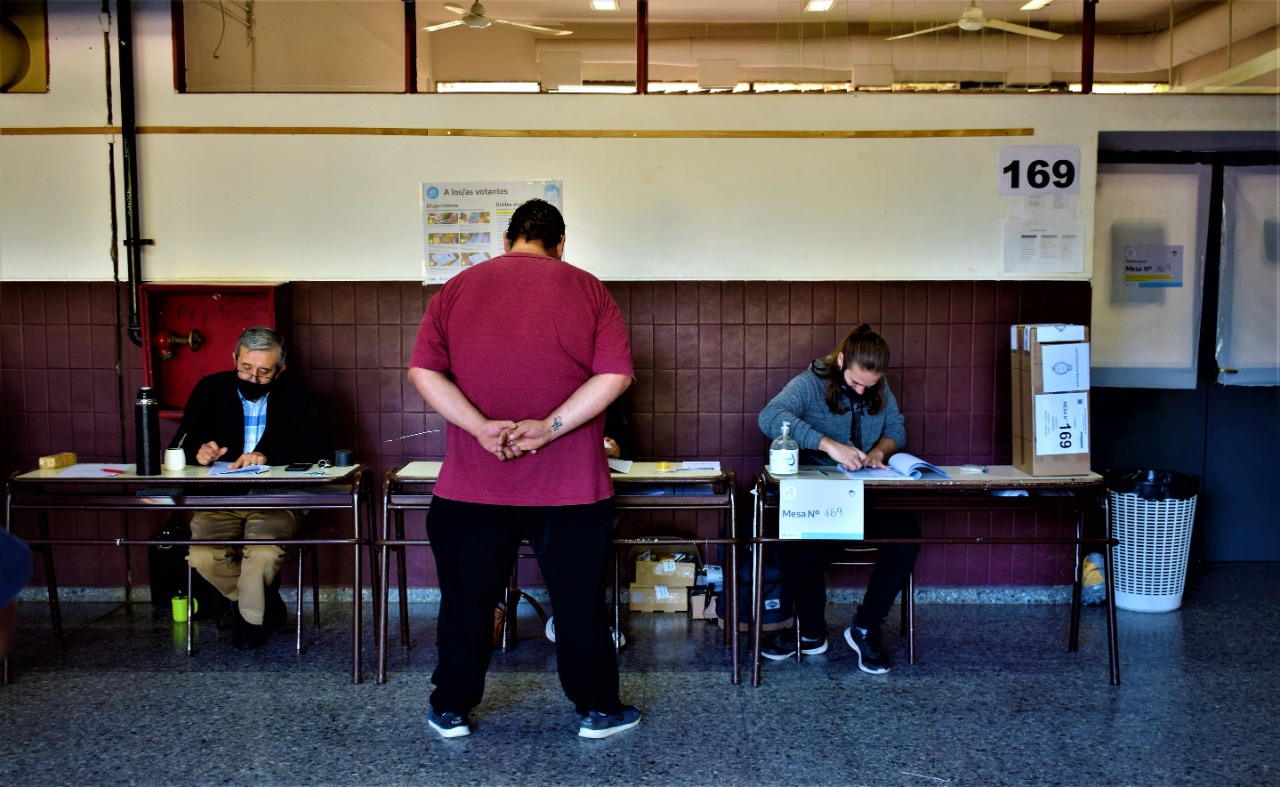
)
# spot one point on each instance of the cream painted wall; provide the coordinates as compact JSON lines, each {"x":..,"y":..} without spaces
{"x":317,"y":207}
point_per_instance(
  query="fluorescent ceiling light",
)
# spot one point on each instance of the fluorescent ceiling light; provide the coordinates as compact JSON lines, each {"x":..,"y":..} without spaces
{"x":488,"y":87}
{"x":1035,"y":5}
{"x":595,"y":89}
{"x":1128,"y":87}
{"x":819,"y":6}
{"x":604,"y":5}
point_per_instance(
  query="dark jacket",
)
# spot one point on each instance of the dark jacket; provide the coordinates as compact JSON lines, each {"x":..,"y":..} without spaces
{"x":214,"y":412}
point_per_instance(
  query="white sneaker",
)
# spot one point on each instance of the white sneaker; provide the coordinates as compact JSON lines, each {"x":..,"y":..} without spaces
{"x":619,"y":639}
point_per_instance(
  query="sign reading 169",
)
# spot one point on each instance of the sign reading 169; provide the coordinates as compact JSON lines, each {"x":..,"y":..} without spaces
{"x":1039,"y":169}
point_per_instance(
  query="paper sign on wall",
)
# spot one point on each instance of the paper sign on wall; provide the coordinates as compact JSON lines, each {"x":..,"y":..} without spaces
{"x":1031,"y":247}
{"x":821,"y":508}
{"x":1153,"y":266}
{"x":1039,"y":169}
{"x":464,"y":223}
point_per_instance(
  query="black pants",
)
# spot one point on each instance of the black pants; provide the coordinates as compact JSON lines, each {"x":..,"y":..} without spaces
{"x":804,"y":566}
{"x":475,"y":547}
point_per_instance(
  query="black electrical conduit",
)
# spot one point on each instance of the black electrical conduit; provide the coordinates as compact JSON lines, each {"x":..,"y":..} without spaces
{"x":133,"y":241}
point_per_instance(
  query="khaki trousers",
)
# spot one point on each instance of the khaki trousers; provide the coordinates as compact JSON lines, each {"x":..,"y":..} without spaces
{"x":242,"y":578}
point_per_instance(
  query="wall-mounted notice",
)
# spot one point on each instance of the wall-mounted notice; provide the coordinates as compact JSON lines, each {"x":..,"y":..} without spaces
{"x":1153,"y":266}
{"x":1033,"y":247}
{"x":463,"y":223}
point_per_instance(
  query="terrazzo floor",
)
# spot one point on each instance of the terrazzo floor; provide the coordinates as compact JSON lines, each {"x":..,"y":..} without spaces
{"x":994,"y":699}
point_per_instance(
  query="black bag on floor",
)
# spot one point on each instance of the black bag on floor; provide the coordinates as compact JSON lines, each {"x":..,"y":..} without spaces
{"x":777,"y":602}
{"x":167,"y":569}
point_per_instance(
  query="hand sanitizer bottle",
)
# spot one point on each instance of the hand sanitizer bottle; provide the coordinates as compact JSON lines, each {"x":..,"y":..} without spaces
{"x":784,"y":453}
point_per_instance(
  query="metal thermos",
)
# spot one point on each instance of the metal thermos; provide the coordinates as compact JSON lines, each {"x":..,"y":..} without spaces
{"x":146,"y":426}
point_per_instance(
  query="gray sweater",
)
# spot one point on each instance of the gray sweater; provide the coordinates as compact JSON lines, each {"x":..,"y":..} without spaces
{"x":803,"y":403}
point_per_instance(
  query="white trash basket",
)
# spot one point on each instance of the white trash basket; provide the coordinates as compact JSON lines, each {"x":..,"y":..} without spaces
{"x":1150,"y":562}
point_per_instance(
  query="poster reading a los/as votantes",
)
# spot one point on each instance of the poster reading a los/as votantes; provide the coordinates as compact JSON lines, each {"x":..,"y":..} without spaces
{"x":463,"y":223}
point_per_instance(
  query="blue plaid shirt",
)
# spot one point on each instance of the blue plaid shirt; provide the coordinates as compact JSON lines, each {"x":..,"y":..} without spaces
{"x":255,"y":420}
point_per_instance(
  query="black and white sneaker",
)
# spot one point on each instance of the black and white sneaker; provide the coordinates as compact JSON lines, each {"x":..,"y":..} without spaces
{"x":781,"y":644}
{"x":602,"y":725}
{"x":449,"y":725}
{"x":872,"y":656}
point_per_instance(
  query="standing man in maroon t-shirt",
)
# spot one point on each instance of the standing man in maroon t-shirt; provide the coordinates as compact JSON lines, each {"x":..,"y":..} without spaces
{"x":521,"y":355}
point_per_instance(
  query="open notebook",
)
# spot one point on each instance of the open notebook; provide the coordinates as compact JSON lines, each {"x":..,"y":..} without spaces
{"x":902,"y":465}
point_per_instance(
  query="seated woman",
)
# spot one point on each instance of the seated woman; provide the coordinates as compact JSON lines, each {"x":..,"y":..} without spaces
{"x":842,"y":412}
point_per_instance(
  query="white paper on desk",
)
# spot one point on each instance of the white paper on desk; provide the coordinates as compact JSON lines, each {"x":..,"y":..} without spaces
{"x":224,"y":468}
{"x":867,"y":472}
{"x":94,"y":470}
{"x":620,"y":465}
{"x":712,"y":466}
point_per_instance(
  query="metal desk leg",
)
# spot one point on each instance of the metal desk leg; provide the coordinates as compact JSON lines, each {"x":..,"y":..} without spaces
{"x":757,"y":584}
{"x":909,"y":617}
{"x":358,"y":498}
{"x":51,"y":582}
{"x":189,"y":625}
{"x":1073,"y":638}
{"x":730,"y":595}
{"x":375,"y":570}
{"x":1113,"y":634}
{"x":403,"y":577}
{"x":617,"y":604}
{"x":383,"y":591}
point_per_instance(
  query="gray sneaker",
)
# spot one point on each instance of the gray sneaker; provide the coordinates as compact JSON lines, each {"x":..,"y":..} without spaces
{"x":449,"y":725}
{"x":872,"y":657}
{"x":602,"y":725}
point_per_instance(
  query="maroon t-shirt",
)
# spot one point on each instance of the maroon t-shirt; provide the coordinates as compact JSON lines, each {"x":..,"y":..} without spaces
{"x":518,"y":335}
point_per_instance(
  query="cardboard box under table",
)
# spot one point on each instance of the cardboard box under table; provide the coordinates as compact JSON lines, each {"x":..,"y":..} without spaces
{"x":702,"y":603}
{"x":1050,"y":397}
{"x":659,"y":598}
{"x":667,"y":569}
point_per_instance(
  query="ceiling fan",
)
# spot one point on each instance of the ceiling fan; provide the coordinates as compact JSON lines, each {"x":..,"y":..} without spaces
{"x":972,"y":19}
{"x":475,"y":19}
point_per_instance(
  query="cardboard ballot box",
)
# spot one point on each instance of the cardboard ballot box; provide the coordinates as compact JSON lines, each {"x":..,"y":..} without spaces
{"x":1050,"y":387}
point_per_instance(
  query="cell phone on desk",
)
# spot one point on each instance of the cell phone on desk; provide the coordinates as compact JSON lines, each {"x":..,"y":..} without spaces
{"x":297,"y":467}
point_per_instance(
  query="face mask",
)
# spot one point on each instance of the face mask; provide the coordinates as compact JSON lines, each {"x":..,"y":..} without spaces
{"x":854,"y":396}
{"x":251,"y":390}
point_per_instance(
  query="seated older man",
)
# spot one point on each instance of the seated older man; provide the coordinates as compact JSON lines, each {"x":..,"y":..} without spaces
{"x":254,"y":414}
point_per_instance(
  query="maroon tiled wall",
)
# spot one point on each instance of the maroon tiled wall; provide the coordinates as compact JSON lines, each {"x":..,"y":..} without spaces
{"x":708,"y":355}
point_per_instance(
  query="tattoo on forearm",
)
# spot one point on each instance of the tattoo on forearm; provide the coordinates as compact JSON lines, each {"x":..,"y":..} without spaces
{"x":556,"y":423}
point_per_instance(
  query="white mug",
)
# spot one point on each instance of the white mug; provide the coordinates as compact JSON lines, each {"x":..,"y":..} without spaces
{"x":174,"y":459}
